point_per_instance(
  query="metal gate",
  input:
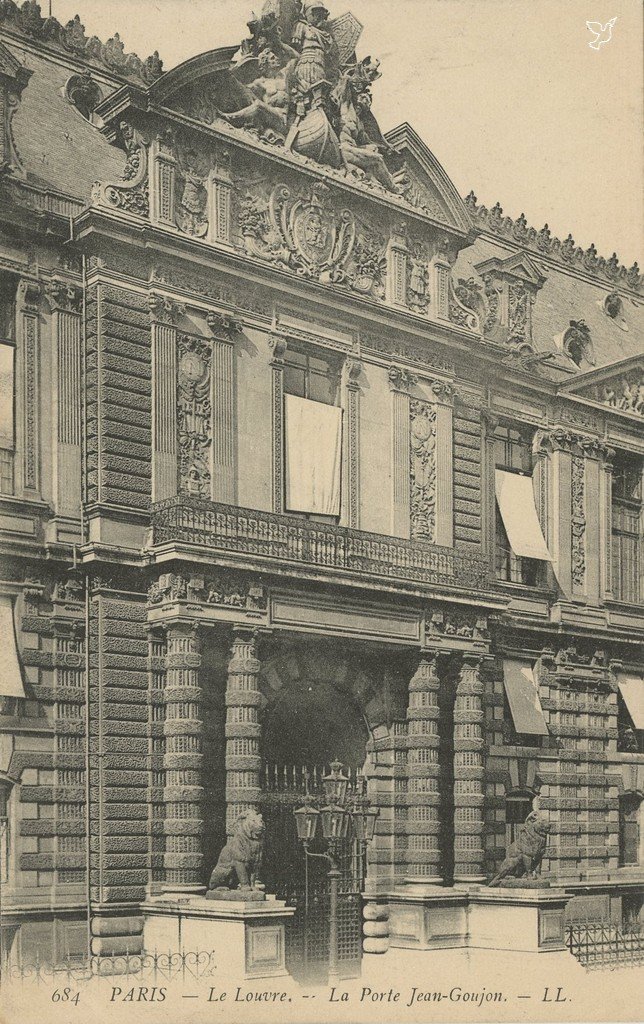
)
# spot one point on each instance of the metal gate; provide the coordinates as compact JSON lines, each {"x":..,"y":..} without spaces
{"x":303,"y":882}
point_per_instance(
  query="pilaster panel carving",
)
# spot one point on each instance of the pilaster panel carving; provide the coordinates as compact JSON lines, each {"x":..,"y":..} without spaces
{"x":224,"y":329}
{"x":353,"y":371}
{"x":194,"y":415}
{"x":578,"y":522}
{"x":29,"y":304}
{"x":422,"y":470}
{"x":278,"y":349}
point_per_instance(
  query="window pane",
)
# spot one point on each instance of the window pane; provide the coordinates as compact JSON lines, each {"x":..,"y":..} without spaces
{"x":323,"y":388}
{"x":7,"y":308}
{"x":295,"y":381}
{"x":6,"y":396}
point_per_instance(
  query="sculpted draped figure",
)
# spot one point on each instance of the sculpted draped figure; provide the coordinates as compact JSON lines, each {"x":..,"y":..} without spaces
{"x":301,"y":85}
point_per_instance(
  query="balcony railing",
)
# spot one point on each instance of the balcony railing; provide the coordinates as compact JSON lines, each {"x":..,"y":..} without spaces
{"x":288,"y":539}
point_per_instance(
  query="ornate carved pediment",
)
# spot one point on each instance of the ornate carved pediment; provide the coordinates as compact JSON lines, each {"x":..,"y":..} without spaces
{"x":510,"y":287}
{"x":619,"y":387}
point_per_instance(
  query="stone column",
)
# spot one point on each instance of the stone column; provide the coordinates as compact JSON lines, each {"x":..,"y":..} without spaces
{"x":66,"y":300}
{"x":278,"y":349}
{"x":243,"y":696}
{"x":606,"y":522}
{"x":28,"y":395}
{"x":164,"y":313}
{"x":444,"y":405}
{"x":423,"y":769}
{"x":400,"y":381}
{"x":183,"y":790}
{"x":224,"y":328}
{"x":353,"y":370}
{"x":468,"y":773}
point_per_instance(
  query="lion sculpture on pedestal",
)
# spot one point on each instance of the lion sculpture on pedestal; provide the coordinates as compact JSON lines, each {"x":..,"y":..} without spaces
{"x":240,"y":860}
{"x":525,"y":854}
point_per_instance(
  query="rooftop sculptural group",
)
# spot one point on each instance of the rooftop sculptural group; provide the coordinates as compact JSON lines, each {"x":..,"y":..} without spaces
{"x":302,"y":86}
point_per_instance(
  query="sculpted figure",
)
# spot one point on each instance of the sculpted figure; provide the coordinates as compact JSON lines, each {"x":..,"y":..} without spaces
{"x":360,"y":153}
{"x":271,"y":91}
{"x":525,"y":854}
{"x":318,"y":63}
{"x":240,"y":860}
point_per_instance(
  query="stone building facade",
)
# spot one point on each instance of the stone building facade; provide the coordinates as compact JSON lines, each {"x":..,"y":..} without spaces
{"x":198,"y":599}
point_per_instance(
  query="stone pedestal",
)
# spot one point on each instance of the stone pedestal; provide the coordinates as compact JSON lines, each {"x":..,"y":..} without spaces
{"x":427,"y":917}
{"x":527,"y":920}
{"x":249,"y":937}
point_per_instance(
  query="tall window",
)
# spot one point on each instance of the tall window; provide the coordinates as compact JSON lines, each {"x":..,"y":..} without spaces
{"x":513,"y":453}
{"x":629,"y":829}
{"x":7,"y":381}
{"x":627,"y":528}
{"x":313,"y":434}
{"x":312,"y":375}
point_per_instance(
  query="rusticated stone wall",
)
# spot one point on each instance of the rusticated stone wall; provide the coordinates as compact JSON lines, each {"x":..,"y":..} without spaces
{"x":118,"y":743}
{"x":467,"y":476}
{"x":119,"y":402}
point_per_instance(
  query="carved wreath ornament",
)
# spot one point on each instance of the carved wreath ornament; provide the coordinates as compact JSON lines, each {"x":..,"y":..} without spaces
{"x":304,"y":234}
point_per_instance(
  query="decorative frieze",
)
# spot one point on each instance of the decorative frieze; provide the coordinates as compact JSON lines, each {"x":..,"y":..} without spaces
{"x":194,"y":415}
{"x":29,"y":293}
{"x":243,"y":729}
{"x":228,"y":591}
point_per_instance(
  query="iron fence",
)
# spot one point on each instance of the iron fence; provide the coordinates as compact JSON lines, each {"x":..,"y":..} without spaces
{"x":186,"y":965}
{"x":605,"y":947}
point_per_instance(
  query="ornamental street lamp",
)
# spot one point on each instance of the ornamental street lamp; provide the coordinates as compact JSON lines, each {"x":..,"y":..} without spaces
{"x":340,"y":820}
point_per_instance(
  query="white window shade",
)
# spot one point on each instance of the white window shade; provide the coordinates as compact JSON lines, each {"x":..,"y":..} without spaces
{"x":631,"y":688}
{"x":6,"y":396}
{"x":523,"y":698}
{"x":11,"y":684}
{"x":313,"y":456}
{"x":515,"y":498}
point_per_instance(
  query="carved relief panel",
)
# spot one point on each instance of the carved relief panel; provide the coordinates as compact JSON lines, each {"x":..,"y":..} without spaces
{"x":194,"y":415}
{"x":422,"y":469}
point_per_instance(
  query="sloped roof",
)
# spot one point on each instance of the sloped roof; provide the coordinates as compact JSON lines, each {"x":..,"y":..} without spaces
{"x":58,"y":148}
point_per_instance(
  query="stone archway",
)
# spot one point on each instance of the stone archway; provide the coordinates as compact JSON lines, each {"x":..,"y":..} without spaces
{"x":319,"y":703}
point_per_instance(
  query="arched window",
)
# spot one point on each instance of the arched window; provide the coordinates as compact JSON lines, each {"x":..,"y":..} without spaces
{"x":518,"y":804}
{"x":629,"y":829}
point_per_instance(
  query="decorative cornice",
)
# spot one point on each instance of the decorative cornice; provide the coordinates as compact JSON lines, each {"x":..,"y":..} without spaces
{"x":567,"y":252}
{"x":224,"y":325}
{"x":163,"y":309}
{"x":401,"y":379}
{"x":71,"y":40}
{"x":64,"y":296}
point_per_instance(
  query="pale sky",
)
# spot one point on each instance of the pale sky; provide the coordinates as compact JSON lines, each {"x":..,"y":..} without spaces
{"x":506,"y":93}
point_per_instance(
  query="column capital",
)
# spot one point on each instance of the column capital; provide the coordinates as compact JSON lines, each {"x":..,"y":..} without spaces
{"x":224,"y":326}
{"x":401,"y":379}
{"x":164,"y":310}
{"x":278,"y":345}
{"x":64,"y":296}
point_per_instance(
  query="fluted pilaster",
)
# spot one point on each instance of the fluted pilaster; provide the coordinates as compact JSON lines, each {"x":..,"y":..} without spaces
{"x":243,"y":696}
{"x":423,"y":768}
{"x":183,"y":756}
{"x":468,"y":774}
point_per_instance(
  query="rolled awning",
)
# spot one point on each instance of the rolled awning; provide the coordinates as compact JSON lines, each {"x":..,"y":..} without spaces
{"x":631,"y":688}
{"x":11,"y":684}
{"x":515,"y":498}
{"x":523,"y":698}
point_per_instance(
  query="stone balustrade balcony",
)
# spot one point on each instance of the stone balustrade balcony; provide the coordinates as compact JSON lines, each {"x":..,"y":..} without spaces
{"x":293,"y":541}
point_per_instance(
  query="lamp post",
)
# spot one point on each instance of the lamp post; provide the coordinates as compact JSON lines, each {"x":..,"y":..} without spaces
{"x":339,"y":820}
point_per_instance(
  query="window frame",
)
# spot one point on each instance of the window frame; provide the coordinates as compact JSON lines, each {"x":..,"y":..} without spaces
{"x":627,"y":582}
{"x":513,"y":455}
{"x":8,"y":310}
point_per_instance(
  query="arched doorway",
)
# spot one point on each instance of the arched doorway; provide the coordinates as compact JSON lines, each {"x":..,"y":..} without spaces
{"x":316,"y":710}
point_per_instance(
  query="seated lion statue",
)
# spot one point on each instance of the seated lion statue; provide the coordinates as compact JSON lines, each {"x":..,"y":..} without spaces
{"x":525,"y":854}
{"x":240,"y":860}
